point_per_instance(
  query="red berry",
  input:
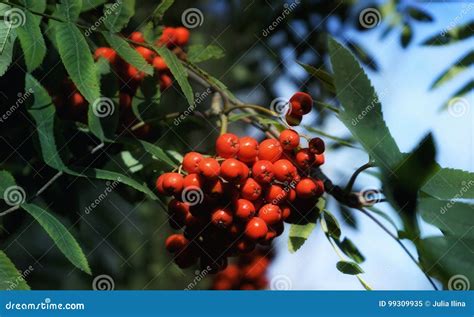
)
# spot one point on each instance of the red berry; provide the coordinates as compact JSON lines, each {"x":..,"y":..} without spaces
{"x":193,"y":180}
{"x":251,"y":190}
{"x":256,"y":229}
{"x":227,"y":145}
{"x":178,"y":209}
{"x":244,"y":209}
{"x":216,"y":188}
{"x":173,"y":183}
{"x":304,"y":159}
{"x":289,"y":139}
{"x":248,"y":149}
{"x":270,"y":150}
{"x":159,"y":184}
{"x":301,"y":102}
{"x":165,"y":81}
{"x":316,"y":146}
{"x":285,"y":211}
{"x":107,"y":53}
{"x":308,"y":188}
{"x":231,"y":170}
{"x":245,"y":246}
{"x":284,"y":170}
{"x":137,"y":37}
{"x":262,"y":171}
{"x":147,"y":54}
{"x":168,"y":37}
{"x":209,"y":168}
{"x":222,"y":218}
{"x":275,"y":194}
{"x":293,"y":119}
{"x":133,"y":73}
{"x":191,"y":162}
{"x":182,"y":36}
{"x":270,"y":213}
{"x":176,"y":243}
{"x":319,"y":159}
{"x":245,"y":172}
{"x":159,"y":64}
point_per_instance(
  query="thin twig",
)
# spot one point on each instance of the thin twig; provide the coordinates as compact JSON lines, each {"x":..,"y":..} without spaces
{"x":354,"y":176}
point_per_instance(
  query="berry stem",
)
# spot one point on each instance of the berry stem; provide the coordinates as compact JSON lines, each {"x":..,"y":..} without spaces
{"x":354,"y":176}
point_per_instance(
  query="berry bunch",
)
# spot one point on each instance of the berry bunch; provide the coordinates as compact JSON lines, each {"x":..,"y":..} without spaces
{"x":300,"y":104}
{"x":230,"y":203}
{"x":248,"y":273}
{"x":72,"y":105}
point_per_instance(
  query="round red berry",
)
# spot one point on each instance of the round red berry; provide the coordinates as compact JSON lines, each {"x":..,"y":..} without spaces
{"x":191,"y":162}
{"x":173,"y":183}
{"x":248,"y":151}
{"x":270,"y":150}
{"x":251,"y":190}
{"x":275,"y":194}
{"x":209,"y":168}
{"x":222,"y":218}
{"x":284,"y":170}
{"x":262,"y":171}
{"x":270,"y":213}
{"x":231,"y":170}
{"x":227,"y":145}
{"x":256,"y":229}
{"x":304,"y":159}
{"x":176,"y":243}
{"x":317,"y":146}
{"x":301,"y":103}
{"x":308,"y":188}
{"x":289,"y":139}
{"x":244,"y":209}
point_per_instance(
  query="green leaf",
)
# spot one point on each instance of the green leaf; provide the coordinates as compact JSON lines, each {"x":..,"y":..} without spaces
{"x":10,"y":277}
{"x":361,"y":110}
{"x":91,"y":4}
{"x":161,"y":9}
{"x":363,"y":55}
{"x":324,"y":77}
{"x":453,"y":217}
{"x":43,"y":111}
{"x":199,"y":53}
{"x":331,"y":225}
{"x":147,"y":100}
{"x":419,"y":15}
{"x":178,"y":71}
{"x":350,"y":268}
{"x":406,"y":36}
{"x":448,"y":183}
{"x":452,"y":35}
{"x":30,"y":35}
{"x":77,"y":59}
{"x":7,"y":40}
{"x":458,"y":66}
{"x":129,"y":54}
{"x":299,"y":233}
{"x":60,"y":235}
{"x":118,"y":14}
{"x":350,"y":249}
{"x":450,"y":260}
{"x":150,"y":148}
{"x":70,"y":9}
{"x":460,"y":93}
{"x":6,"y":180}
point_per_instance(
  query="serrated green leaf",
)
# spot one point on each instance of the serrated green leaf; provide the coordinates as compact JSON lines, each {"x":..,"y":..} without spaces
{"x":70,"y":9}
{"x":10,"y":277}
{"x":60,"y":235}
{"x":451,"y":35}
{"x":332,"y":227}
{"x":7,"y":41}
{"x":161,"y":9}
{"x":77,"y":59}
{"x":448,"y":183}
{"x":365,"y":58}
{"x":350,"y":268}
{"x":129,"y":54}
{"x":452,"y":217}
{"x":350,"y":249}
{"x":199,"y":53}
{"x":178,"y":71}
{"x":30,"y":35}
{"x":43,"y":111}
{"x":361,"y":110}
{"x":118,"y":14}
{"x":91,"y":4}
{"x":150,"y":148}
{"x":419,"y":15}
{"x":299,"y":233}
{"x":324,"y":77}
{"x":458,"y":66}
{"x":6,"y":181}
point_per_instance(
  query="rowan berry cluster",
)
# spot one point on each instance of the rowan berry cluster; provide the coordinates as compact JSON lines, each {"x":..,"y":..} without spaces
{"x":72,"y":105}
{"x":230,"y":203}
{"x":247,"y":273}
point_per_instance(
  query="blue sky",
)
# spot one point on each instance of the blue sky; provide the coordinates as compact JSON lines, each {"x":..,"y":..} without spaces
{"x":411,"y":111}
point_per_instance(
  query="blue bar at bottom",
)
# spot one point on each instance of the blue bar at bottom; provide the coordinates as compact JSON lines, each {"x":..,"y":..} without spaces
{"x":237,"y":303}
